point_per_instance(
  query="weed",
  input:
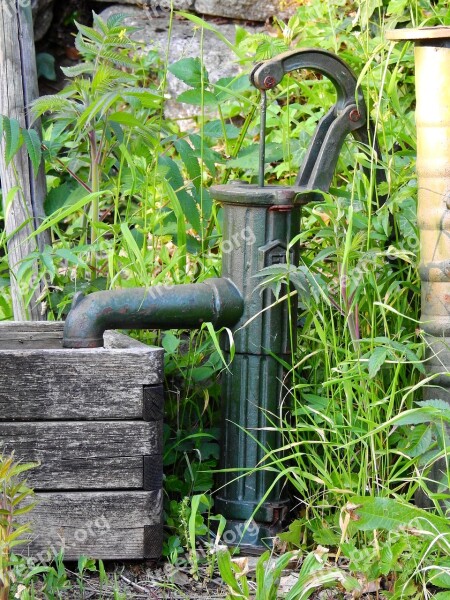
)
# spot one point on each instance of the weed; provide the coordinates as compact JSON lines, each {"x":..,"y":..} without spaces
{"x":13,"y":493}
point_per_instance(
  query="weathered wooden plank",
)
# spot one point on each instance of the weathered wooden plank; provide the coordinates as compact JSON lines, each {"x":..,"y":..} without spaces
{"x":123,"y":472}
{"x":114,"y":339}
{"x":153,"y":409}
{"x":106,"y":525}
{"x":8,"y":328}
{"x":22,"y":340}
{"x":90,"y":384}
{"x":84,"y":455}
{"x":25,"y":210}
{"x":16,"y":335}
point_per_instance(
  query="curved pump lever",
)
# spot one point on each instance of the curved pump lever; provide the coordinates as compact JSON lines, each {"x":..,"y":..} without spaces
{"x":348,"y":114}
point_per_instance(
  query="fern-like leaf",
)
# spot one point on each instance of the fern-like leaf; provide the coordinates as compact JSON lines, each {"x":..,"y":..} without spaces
{"x":117,"y":58}
{"x":98,"y":108}
{"x":87,"y":49}
{"x":90,"y":33}
{"x":13,"y":138}
{"x":106,"y":78}
{"x":52,"y":103}
{"x":78,"y":70}
{"x":33,"y":146}
{"x":115,"y":21}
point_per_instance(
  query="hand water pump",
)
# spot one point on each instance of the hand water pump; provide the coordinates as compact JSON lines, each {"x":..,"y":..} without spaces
{"x":265,"y":218}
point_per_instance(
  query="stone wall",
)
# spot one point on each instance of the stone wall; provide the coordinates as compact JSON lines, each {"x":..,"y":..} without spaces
{"x":249,"y":10}
{"x":185,"y":41}
{"x":42,"y":17}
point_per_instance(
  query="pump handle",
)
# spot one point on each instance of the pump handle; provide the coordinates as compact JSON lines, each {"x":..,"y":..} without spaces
{"x":349,"y":113}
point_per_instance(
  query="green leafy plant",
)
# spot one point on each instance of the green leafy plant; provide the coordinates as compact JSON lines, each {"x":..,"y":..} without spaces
{"x":13,"y":493}
{"x":93,"y":107}
{"x":313,"y":574}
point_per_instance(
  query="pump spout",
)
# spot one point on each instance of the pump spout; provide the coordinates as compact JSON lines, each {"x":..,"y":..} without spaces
{"x":216,"y":300}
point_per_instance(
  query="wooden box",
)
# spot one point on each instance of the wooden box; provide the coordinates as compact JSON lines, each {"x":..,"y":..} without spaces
{"x":92,"y":418}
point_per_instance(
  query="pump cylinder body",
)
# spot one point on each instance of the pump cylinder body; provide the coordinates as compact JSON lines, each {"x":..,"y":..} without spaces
{"x":258,"y":225}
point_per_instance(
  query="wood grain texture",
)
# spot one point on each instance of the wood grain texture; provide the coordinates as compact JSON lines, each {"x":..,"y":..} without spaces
{"x":106,"y":525}
{"x":114,"y":339}
{"x":21,"y":335}
{"x":59,"y":383}
{"x":123,"y":472}
{"x":25,"y":212}
{"x":80,"y":413}
{"x":84,"y":455}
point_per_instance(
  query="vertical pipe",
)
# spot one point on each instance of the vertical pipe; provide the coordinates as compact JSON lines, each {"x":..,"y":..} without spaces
{"x":432,"y":65}
{"x":262,"y":139}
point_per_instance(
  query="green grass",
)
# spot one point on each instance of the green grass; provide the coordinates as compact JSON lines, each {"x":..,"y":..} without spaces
{"x":359,"y":357}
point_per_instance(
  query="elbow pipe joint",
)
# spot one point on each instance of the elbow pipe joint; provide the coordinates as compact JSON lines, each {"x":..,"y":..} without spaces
{"x":216,"y":300}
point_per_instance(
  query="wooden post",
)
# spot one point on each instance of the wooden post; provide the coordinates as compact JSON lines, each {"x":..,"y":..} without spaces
{"x":25,"y":211}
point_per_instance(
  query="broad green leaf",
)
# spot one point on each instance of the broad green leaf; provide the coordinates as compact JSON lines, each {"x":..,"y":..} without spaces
{"x":216,"y":129}
{"x":190,"y":71}
{"x":249,"y":157}
{"x":57,"y":103}
{"x":170,"y":342}
{"x":190,"y":161}
{"x":439,"y":573}
{"x":64,"y":195}
{"x":11,"y":130}
{"x":147,"y":98}
{"x":90,"y":33}
{"x":207,"y":155}
{"x":70,"y":256}
{"x":198,"y":97}
{"x":97,"y":109}
{"x":388,"y":514}
{"x":397,"y":7}
{"x":33,"y":145}
{"x":227,"y":571}
{"x":440,"y":405}
{"x":414,"y":416}
{"x":47,"y":261}
{"x":62,"y":214}
{"x":188,"y":205}
{"x":294,"y":533}
{"x":113,"y":21}
{"x":376,"y":360}
{"x":418,"y":441}
{"x":201,"y":373}
{"x":125,"y":118}
{"x":45,"y":64}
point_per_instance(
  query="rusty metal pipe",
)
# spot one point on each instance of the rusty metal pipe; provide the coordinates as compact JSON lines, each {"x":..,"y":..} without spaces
{"x":216,"y":300}
{"x":432,"y":66}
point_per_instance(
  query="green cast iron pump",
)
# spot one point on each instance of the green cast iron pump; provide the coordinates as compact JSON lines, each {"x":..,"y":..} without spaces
{"x":264,"y":219}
